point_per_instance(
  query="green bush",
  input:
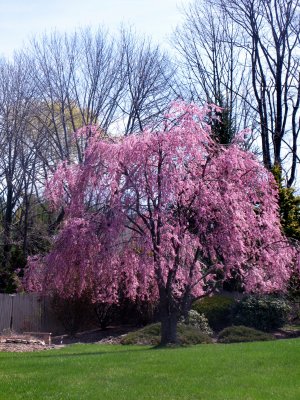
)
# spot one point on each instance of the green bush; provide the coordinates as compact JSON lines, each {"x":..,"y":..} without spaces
{"x":235,"y":334}
{"x":198,"y":321}
{"x":150,"y":335}
{"x":261,"y":312}
{"x":217,"y":309}
{"x":188,"y":335}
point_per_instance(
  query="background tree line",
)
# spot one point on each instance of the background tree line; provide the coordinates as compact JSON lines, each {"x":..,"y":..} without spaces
{"x":240,"y":55}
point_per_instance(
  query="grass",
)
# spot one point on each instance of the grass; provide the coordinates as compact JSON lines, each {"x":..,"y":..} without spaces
{"x":247,"y":371}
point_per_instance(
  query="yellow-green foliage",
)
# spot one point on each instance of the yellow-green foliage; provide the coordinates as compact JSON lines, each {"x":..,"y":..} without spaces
{"x":289,"y":204}
{"x":217,"y":310}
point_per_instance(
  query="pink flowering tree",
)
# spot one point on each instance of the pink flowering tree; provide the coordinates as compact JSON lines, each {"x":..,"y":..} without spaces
{"x":164,"y":216}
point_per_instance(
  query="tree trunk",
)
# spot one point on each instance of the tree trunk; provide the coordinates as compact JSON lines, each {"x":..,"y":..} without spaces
{"x":169,"y":329}
{"x":168,"y":318}
{"x":186,"y":305}
{"x":5,"y":272}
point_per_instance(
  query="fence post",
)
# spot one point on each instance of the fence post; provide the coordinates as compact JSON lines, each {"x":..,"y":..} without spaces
{"x":12,"y":296}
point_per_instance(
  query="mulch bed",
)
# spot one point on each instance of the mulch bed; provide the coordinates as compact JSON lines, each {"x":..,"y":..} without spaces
{"x":21,"y":343}
{"x":24,"y":343}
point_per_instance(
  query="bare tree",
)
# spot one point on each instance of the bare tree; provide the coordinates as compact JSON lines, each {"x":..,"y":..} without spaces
{"x":90,"y":78}
{"x":214,"y":67}
{"x":271,"y":30}
{"x":17,"y":163}
{"x":148,"y":75}
{"x":78,"y":82}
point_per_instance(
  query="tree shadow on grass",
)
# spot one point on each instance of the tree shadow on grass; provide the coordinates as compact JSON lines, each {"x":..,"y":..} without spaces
{"x":56,"y":353}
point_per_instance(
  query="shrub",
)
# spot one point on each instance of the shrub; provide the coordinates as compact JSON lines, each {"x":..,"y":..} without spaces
{"x":105,"y":313}
{"x":188,"y":335}
{"x":150,"y":335}
{"x":235,"y":334}
{"x":198,"y":321}
{"x":294,"y":316}
{"x":74,"y":314}
{"x":261,"y":312}
{"x":217,"y":309}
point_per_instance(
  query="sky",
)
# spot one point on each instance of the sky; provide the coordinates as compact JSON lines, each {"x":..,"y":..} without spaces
{"x":22,"y":19}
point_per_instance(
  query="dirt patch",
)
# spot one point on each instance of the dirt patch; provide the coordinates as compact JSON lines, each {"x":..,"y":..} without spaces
{"x":21,"y":343}
{"x":21,"y":347}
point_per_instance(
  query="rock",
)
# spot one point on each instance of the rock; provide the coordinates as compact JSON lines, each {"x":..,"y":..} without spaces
{"x":23,"y":341}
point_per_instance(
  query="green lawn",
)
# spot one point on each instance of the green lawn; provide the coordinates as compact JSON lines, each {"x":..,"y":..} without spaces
{"x":261,"y":370}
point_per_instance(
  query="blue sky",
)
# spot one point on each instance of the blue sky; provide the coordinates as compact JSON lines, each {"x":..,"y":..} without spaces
{"x":22,"y":19}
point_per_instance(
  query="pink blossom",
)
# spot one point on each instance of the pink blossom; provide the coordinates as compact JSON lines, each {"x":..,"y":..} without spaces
{"x":164,"y":216}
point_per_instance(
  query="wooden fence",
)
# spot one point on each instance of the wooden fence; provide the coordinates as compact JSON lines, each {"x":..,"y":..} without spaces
{"x":23,"y":312}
